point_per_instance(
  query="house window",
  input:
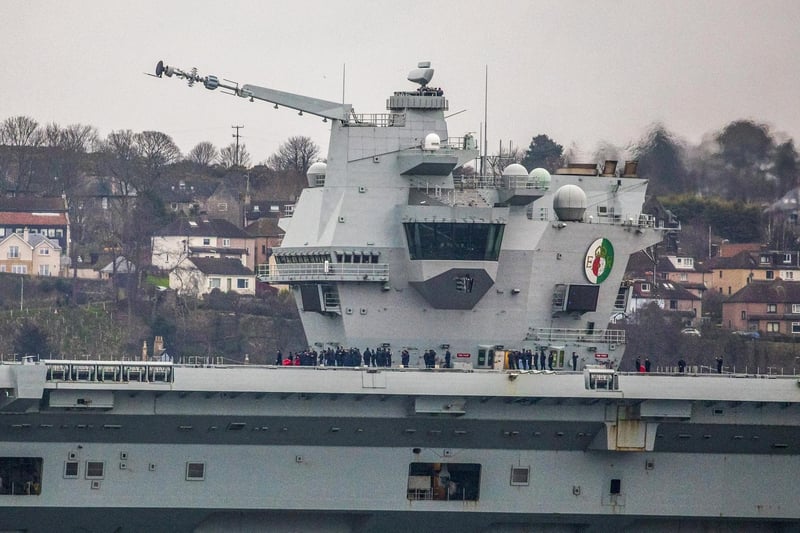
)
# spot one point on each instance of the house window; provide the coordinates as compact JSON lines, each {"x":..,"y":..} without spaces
{"x":19,"y":269}
{"x":94,"y":469}
{"x":104,"y":203}
{"x":214,"y":283}
{"x":222,"y":206}
{"x":773,"y":327}
{"x":795,"y":327}
{"x":684,"y":276}
{"x":744,"y":315}
{"x":673,"y":304}
{"x":51,"y":232}
{"x":226,"y":243}
{"x":772,"y":308}
{"x":242,"y":283}
{"x":645,"y":287}
{"x":13,"y":252}
{"x":795,"y":308}
{"x":195,"y":471}
{"x":206,"y":241}
{"x":787,"y":274}
{"x":44,"y":270}
{"x":770,"y":274}
{"x":44,"y":251}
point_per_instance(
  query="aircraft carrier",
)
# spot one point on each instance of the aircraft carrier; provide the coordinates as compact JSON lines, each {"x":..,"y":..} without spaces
{"x":530,"y":427}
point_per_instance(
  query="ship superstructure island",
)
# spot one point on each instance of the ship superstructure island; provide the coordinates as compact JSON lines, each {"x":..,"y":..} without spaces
{"x":392,"y":245}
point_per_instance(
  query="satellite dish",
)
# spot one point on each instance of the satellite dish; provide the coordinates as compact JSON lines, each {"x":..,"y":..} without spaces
{"x":159,"y":69}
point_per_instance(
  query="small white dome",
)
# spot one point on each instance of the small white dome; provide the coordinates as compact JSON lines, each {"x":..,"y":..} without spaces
{"x":317,"y":168}
{"x":540,"y":176}
{"x":569,"y":203}
{"x":316,"y":174}
{"x":515,"y":170}
{"x":432,"y":142}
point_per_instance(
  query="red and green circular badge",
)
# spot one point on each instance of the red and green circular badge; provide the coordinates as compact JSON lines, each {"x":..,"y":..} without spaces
{"x":599,"y":260}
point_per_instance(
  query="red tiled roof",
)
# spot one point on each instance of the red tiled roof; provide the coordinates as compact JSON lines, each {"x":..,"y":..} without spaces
{"x":33,"y":219}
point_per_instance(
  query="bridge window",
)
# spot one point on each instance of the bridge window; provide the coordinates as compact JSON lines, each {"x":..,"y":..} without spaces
{"x":444,"y":481}
{"x":451,"y":241}
{"x":20,"y":476}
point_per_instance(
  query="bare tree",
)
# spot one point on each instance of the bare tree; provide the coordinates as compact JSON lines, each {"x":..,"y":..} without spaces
{"x":229,"y":158}
{"x":22,"y":134}
{"x":121,"y":160}
{"x":203,"y":153}
{"x":295,"y":154}
{"x":157,"y":151}
{"x":68,"y":148}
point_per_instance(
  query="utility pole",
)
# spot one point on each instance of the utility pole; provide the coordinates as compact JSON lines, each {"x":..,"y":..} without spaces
{"x":236,"y":155}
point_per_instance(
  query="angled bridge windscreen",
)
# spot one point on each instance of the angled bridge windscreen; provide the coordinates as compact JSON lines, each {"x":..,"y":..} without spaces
{"x":454,"y":241}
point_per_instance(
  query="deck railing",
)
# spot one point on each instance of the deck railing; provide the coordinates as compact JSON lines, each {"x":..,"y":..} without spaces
{"x":558,"y":335}
{"x":283,"y":273}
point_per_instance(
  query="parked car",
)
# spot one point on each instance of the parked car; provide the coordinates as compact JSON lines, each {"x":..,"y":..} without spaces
{"x":749,"y":334}
{"x":693,"y":332}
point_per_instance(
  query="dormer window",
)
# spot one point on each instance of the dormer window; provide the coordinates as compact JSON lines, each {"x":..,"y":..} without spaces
{"x":787,"y":258}
{"x":764,"y":259}
{"x":645,"y":287}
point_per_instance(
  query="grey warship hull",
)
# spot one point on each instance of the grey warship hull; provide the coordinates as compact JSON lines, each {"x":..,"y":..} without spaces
{"x":388,"y":249}
{"x":294,"y":449}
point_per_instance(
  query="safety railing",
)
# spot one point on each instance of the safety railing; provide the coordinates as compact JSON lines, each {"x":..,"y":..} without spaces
{"x":559,"y":335}
{"x":284,"y":273}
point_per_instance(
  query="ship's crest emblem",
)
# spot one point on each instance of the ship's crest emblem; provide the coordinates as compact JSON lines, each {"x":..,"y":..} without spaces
{"x":599,"y":260}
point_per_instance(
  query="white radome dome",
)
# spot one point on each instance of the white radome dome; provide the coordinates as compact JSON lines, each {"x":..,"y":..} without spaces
{"x":515,"y":170}
{"x":569,"y":203}
{"x":432,"y":142}
{"x":540,"y":176}
{"x":316,"y":174}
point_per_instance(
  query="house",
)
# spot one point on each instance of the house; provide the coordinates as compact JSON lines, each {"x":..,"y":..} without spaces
{"x":201,"y":237}
{"x":683,"y":270}
{"x":267,"y":236}
{"x":731,"y":274}
{"x":771,"y":307}
{"x":668,"y":296}
{"x":38,"y":216}
{"x":213,"y":199}
{"x":225,"y":204}
{"x":30,"y":253}
{"x":269,"y":208}
{"x":197,"y":276}
{"x":118,"y":267}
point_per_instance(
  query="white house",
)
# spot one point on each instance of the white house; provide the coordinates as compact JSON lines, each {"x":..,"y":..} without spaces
{"x":197,"y":276}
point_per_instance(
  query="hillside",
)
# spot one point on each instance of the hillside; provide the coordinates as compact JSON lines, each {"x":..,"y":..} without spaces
{"x":50,"y":317}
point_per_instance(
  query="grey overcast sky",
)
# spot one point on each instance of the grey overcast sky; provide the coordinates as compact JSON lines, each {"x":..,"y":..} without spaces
{"x":581,"y":71}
